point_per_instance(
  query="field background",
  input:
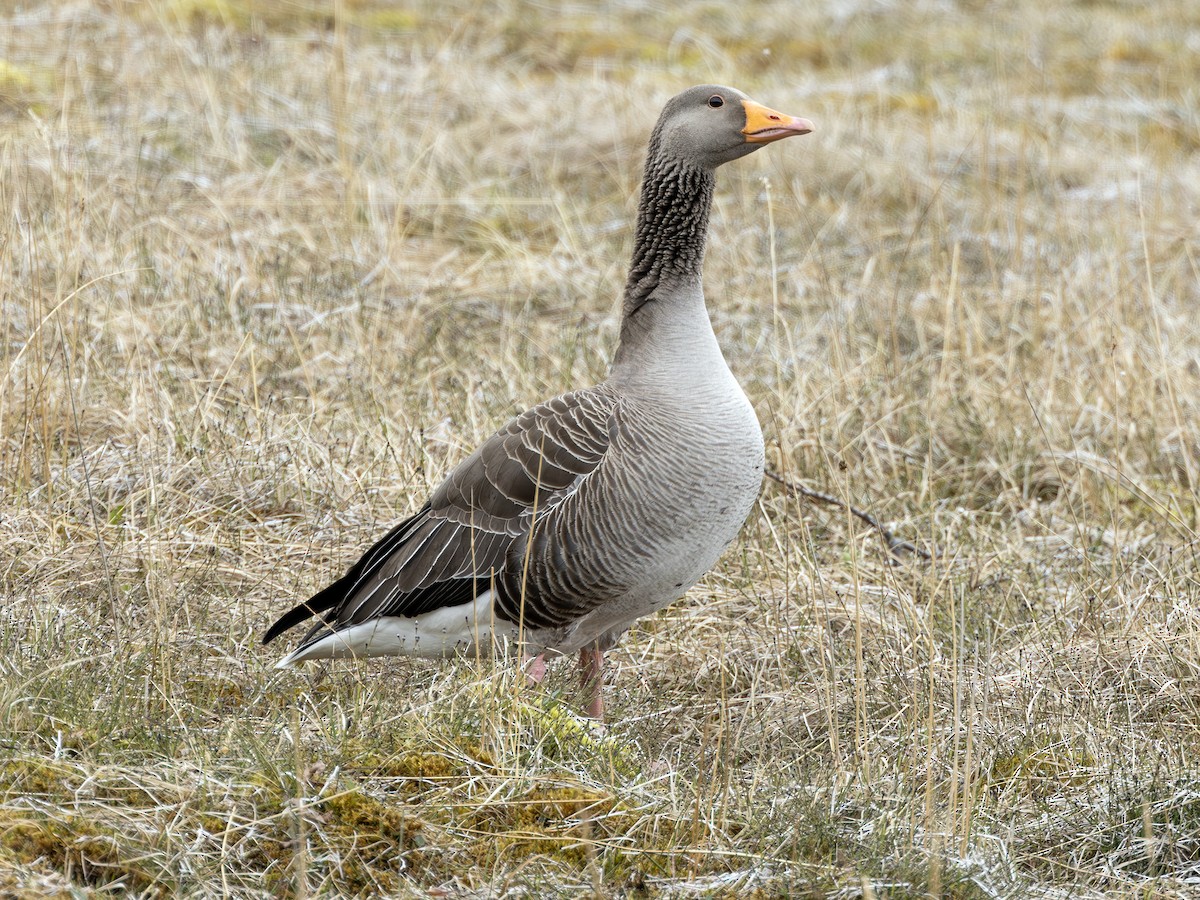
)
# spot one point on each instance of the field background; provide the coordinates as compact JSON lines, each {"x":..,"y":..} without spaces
{"x":269,"y":269}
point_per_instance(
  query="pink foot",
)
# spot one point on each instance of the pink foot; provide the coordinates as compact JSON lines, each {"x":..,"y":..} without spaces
{"x":591,"y":678}
{"x":537,"y":669}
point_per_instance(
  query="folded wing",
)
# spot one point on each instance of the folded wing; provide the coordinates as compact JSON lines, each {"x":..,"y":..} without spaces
{"x":472,"y":532}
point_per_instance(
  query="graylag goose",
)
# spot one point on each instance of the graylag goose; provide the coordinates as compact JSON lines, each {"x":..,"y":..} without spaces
{"x":602,"y":505}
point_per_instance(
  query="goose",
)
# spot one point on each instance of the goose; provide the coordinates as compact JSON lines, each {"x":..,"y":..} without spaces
{"x":599,"y":506}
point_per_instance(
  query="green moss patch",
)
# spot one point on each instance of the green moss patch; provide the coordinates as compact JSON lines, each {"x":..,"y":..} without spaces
{"x":88,"y":853}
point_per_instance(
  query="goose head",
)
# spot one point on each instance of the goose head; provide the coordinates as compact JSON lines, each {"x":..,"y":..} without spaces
{"x":709,"y":125}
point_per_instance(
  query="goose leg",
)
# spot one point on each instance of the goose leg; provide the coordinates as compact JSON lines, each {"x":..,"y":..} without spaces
{"x":591,"y":679}
{"x":537,"y":669}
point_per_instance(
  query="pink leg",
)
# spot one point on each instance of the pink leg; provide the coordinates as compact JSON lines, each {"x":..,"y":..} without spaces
{"x":537,"y":669}
{"x":591,"y":678}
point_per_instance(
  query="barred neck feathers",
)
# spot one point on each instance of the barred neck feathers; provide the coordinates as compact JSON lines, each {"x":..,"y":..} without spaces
{"x":672,"y":227}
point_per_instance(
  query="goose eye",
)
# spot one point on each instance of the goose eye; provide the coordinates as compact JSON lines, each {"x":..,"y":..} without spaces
{"x":716,"y":101}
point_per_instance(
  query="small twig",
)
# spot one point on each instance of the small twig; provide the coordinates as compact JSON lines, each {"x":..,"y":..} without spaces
{"x":895,"y":545}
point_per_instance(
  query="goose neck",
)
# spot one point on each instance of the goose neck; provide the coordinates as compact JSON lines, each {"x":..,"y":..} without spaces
{"x":668,"y":253}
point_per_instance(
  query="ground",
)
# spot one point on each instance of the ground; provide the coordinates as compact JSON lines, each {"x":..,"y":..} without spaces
{"x":268,"y":269}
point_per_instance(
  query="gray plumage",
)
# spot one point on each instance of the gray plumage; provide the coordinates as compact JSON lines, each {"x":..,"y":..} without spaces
{"x":602,"y":505}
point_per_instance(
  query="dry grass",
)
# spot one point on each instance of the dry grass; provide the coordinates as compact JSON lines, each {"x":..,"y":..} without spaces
{"x":268,"y":269}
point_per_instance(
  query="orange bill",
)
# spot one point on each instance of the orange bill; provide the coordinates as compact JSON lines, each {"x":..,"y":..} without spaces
{"x":764,"y":125}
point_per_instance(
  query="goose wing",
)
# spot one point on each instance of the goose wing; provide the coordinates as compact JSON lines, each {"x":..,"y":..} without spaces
{"x":452,"y":549}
